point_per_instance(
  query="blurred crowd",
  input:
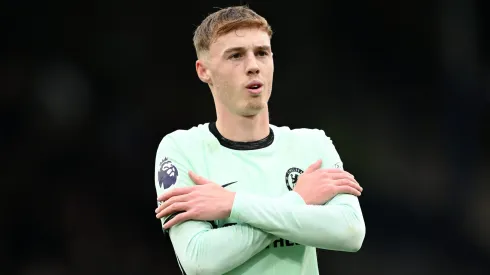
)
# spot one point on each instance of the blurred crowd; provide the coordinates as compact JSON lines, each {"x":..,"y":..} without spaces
{"x":401,"y":88}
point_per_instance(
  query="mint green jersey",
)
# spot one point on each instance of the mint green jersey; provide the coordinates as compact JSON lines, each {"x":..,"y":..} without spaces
{"x":271,"y":230}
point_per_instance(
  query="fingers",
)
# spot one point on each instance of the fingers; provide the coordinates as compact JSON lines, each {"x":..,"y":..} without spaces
{"x":342,"y":176}
{"x":315,"y":166}
{"x":347,"y":189}
{"x":349,"y":182}
{"x":173,"y":208}
{"x":197,"y":179}
{"x":183,"y":190}
{"x":337,"y":174}
{"x":169,"y":202}
{"x":182,"y":217}
{"x":179,"y":191}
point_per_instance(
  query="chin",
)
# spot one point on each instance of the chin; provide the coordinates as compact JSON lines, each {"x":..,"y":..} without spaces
{"x":252,"y":110}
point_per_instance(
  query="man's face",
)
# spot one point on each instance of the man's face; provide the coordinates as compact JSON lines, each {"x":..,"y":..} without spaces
{"x":237,"y":60}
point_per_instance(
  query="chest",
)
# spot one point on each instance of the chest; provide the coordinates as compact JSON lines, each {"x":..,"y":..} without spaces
{"x":268,"y":173}
{"x":262,"y":173}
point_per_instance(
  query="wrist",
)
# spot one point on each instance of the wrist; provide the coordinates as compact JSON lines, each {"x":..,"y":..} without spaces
{"x":235,"y":206}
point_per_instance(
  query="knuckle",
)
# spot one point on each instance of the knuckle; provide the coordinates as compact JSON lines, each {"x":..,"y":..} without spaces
{"x":183,"y":216}
{"x":192,"y":213}
{"x":175,"y":206}
{"x":325,"y":188}
{"x":195,"y":212}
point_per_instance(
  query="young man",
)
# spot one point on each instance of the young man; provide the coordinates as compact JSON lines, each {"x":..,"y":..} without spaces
{"x":242,"y":196}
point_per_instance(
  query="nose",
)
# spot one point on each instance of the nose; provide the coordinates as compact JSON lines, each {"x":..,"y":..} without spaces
{"x":252,"y":65}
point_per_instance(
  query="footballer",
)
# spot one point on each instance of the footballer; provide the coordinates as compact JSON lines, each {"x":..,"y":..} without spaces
{"x":242,"y":196}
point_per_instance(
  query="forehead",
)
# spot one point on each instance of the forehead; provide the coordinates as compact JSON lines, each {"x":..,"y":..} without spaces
{"x":245,"y":37}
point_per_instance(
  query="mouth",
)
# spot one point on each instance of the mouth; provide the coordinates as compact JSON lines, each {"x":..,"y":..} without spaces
{"x":255,"y":87}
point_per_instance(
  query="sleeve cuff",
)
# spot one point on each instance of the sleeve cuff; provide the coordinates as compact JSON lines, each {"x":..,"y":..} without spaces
{"x":238,"y":204}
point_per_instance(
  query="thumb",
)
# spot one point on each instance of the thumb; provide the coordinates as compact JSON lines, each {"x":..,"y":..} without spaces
{"x":315,"y":166}
{"x":197,"y":179}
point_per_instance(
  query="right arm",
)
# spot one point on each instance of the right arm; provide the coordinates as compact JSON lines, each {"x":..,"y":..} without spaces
{"x":204,"y":250}
{"x":200,"y":248}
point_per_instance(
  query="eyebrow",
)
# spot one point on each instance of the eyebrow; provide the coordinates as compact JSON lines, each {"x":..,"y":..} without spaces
{"x":236,"y":49}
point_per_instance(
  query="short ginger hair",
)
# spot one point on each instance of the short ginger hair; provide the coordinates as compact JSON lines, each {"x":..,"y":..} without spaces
{"x":224,"y":21}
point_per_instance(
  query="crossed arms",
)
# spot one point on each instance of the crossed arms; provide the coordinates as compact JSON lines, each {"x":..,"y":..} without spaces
{"x":335,"y":225}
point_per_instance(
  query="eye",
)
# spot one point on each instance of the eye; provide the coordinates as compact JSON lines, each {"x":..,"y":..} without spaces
{"x":235,"y":56}
{"x":262,"y":53}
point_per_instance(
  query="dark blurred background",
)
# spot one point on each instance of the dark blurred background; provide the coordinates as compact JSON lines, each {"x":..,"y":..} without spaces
{"x":89,"y":88}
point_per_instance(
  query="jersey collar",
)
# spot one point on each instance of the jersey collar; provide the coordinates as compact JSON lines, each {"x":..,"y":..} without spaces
{"x":241,"y":145}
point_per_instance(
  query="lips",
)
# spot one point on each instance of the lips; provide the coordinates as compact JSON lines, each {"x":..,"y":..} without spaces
{"x":254,"y":85}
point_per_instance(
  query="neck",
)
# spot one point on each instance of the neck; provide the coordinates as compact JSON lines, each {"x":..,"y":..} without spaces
{"x":243,"y":129}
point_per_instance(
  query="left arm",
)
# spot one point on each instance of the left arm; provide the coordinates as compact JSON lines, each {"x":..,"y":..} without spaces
{"x":336,"y":225}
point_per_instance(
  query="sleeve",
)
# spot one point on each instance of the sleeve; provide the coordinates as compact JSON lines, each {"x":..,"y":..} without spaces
{"x":337,"y":225}
{"x":201,"y":249}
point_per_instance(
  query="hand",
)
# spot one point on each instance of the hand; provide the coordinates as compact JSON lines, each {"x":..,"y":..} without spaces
{"x":317,"y":186}
{"x":204,"y":201}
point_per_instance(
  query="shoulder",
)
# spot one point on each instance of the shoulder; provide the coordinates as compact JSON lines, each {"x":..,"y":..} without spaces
{"x":301,"y":134}
{"x":310,"y":140}
{"x":184,"y":139}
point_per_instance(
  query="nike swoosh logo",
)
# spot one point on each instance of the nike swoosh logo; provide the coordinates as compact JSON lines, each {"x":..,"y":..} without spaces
{"x":226,"y":184}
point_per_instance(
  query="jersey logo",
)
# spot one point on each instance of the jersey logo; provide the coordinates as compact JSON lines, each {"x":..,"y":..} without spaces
{"x":229,"y":183}
{"x":292,"y":177}
{"x":167,"y":175}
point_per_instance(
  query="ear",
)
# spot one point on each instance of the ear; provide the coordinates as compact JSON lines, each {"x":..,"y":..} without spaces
{"x":202,"y":71}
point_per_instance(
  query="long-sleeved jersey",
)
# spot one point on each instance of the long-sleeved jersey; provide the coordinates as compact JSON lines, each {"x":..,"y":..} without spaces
{"x":271,"y":230}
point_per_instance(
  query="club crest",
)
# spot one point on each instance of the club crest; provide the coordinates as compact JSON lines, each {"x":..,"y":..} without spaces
{"x":292,"y":176}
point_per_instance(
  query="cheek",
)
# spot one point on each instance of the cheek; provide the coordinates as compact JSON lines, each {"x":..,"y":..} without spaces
{"x":227,"y":79}
{"x":223,"y":82}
